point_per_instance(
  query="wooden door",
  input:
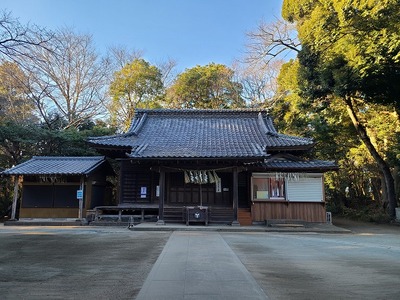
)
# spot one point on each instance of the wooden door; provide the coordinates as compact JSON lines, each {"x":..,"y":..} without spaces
{"x":189,"y":194}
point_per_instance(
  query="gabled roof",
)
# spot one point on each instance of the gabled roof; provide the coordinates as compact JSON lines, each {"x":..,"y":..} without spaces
{"x":57,"y":165}
{"x":193,"y":133}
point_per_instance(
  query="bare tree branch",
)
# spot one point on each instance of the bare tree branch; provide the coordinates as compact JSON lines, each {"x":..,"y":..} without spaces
{"x":168,"y":71}
{"x":17,"y":40}
{"x":69,"y":81}
{"x":273,"y":41}
{"x":120,"y":56}
{"x":259,"y":82}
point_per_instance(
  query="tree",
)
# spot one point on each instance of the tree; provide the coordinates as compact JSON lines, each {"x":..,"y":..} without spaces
{"x":137,"y":85}
{"x":350,"y":51}
{"x":272,"y":41}
{"x":69,"y":80}
{"x":121,"y":56}
{"x":327,"y":123}
{"x":17,"y":40}
{"x":20,"y":141}
{"x":168,"y":71}
{"x":17,"y":142}
{"x":259,"y":83}
{"x":268,"y":47}
{"x":14,"y":104}
{"x":211,"y":86}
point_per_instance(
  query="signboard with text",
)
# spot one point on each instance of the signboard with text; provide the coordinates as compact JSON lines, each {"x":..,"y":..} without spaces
{"x":79,"y":194}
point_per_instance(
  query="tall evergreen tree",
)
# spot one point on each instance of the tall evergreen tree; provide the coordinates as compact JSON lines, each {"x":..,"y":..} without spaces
{"x":351,"y":51}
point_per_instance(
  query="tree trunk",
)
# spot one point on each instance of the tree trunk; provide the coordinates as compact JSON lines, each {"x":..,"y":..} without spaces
{"x":383,"y":166}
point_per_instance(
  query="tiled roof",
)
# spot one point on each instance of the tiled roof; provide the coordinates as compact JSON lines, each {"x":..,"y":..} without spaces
{"x":56,"y":165}
{"x":291,"y":163}
{"x":201,"y":134}
{"x":301,"y":165}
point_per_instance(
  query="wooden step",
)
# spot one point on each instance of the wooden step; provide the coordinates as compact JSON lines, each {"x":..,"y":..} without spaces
{"x":244,"y":217}
{"x":285,"y":223}
{"x":221,"y":215}
{"x":174,"y":214}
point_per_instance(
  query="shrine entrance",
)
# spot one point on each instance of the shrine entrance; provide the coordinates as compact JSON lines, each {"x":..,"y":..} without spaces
{"x":180,"y":192}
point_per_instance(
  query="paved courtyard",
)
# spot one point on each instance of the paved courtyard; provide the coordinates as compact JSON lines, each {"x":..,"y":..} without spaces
{"x":113,"y":263}
{"x":75,"y":263}
{"x":363,"y":265}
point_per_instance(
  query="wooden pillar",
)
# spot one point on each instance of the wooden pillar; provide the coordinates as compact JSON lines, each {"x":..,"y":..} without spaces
{"x":81,"y":187}
{"x":15,"y":199}
{"x":120,"y":181}
{"x":88,"y":194}
{"x":162,"y":199}
{"x":235,"y":193}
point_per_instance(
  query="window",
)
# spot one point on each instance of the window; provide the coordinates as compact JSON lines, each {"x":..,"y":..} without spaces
{"x":306,"y":189}
{"x":260,"y":188}
{"x":295,"y":187}
{"x":265,"y":187}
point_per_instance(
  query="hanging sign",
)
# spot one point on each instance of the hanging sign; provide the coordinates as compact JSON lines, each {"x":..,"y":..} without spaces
{"x":157,"y":191}
{"x":218,"y":185}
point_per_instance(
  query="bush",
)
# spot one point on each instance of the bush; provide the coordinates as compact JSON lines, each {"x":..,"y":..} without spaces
{"x":6,"y":194}
{"x":369,"y":213}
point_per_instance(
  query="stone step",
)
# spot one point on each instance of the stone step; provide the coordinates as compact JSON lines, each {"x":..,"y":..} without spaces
{"x":286,"y":225}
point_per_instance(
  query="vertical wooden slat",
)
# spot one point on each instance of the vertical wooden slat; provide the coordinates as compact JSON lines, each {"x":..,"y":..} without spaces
{"x":309,"y":212}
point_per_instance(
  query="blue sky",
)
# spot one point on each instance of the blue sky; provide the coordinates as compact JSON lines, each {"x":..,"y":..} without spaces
{"x":192,"y":32}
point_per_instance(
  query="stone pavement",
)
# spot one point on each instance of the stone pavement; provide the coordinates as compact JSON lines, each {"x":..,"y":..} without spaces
{"x":309,"y":227}
{"x":152,"y":226}
{"x":199,"y":265}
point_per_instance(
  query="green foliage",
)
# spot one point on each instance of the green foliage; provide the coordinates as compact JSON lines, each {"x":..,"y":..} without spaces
{"x":211,"y":86}
{"x":6,"y":194}
{"x":14,"y":104}
{"x":19,"y":142}
{"x":350,"y":51}
{"x":351,"y":47}
{"x":137,"y":85}
{"x":326,"y":122}
{"x":366,"y":213}
{"x":295,"y":10}
{"x":291,"y":110}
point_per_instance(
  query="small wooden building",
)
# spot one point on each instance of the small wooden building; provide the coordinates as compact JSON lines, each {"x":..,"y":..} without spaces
{"x":50,"y":185}
{"x":217,"y":166}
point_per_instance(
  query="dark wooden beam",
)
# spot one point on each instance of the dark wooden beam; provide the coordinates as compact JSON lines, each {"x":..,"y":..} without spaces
{"x":162,"y":199}
{"x":235,"y":197}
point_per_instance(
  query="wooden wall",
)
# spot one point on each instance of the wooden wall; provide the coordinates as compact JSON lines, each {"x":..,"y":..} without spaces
{"x":132,"y":178}
{"x":306,"y":211}
{"x":48,"y":213}
{"x":58,"y":200}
